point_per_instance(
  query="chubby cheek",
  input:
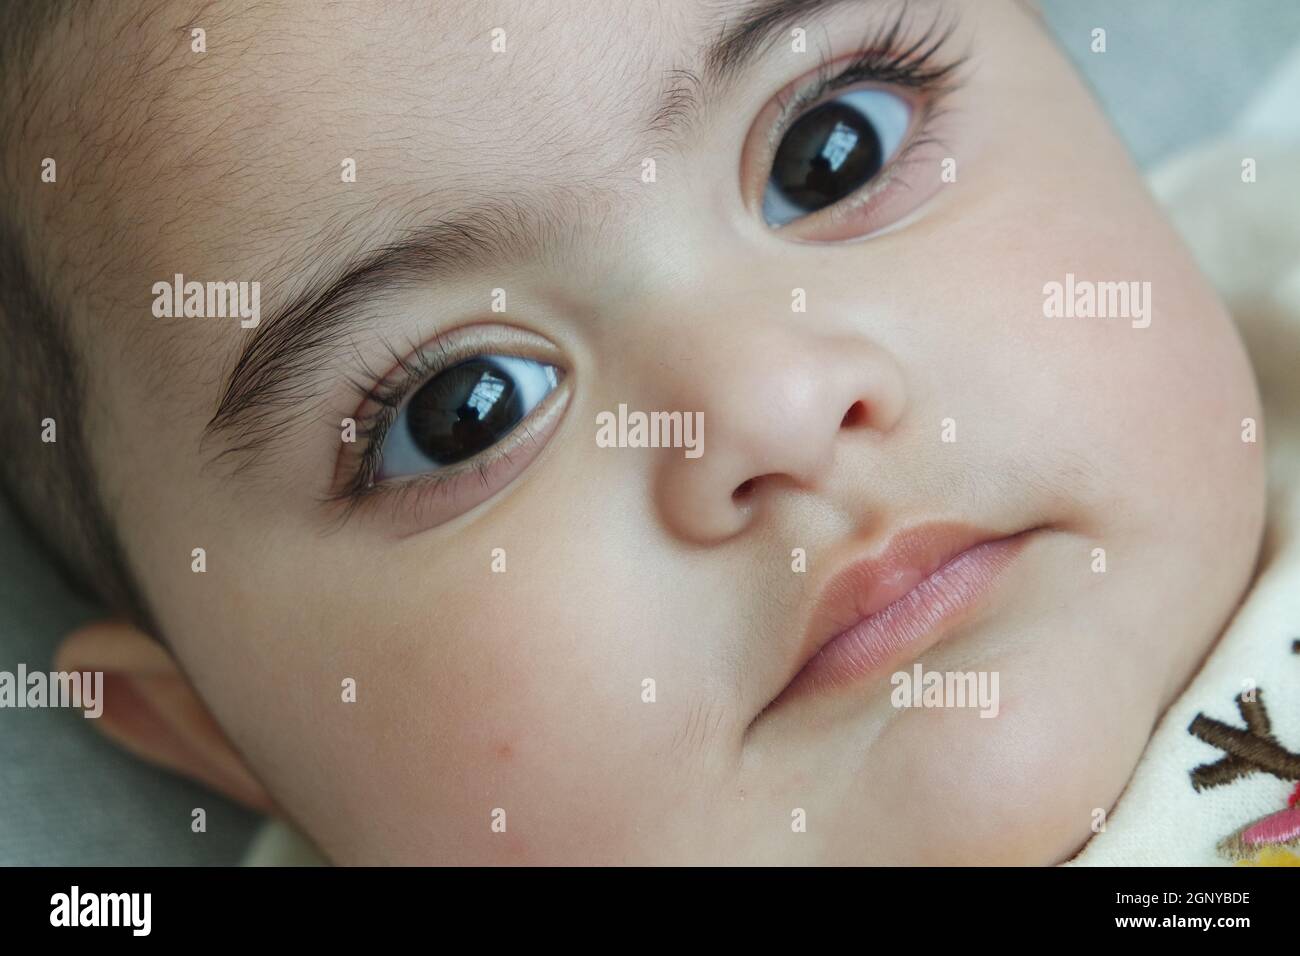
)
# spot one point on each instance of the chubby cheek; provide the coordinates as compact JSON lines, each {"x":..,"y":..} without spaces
{"x":1153,"y":420}
{"x":1157,"y":414}
{"x":428,"y":708}
{"x":1139,"y":414}
{"x":1144,"y":409}
{"x":1023,"y":788}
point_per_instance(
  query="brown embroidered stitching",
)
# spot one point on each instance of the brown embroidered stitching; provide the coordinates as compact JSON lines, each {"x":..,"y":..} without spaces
{"x":1245,"y":751}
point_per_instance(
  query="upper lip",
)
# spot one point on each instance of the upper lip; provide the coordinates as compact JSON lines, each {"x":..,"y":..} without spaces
{"x":869,"y":585}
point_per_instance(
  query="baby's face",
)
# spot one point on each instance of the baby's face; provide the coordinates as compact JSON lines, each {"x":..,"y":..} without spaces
{"x":604,"y":642}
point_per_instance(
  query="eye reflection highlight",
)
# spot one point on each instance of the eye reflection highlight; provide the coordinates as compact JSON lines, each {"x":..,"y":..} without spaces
{"x":832,"y":151}
{"x":463,"y":411}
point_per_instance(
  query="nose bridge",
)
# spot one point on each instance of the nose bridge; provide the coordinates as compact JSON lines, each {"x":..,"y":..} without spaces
{"x":754,"y":384}
{"x":732,"y":355}
{"x":745,"y":327}
{"x":775,"y":391}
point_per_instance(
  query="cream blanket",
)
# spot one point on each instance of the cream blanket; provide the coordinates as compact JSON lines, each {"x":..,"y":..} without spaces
{"x":1219,"y":781}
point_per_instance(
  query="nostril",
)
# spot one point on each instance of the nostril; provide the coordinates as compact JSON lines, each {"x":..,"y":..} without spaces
{"x":855,"y":417}
{"x":743,"y":490}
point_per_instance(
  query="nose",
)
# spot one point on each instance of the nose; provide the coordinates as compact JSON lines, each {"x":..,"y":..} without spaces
{"x":776,"y":402}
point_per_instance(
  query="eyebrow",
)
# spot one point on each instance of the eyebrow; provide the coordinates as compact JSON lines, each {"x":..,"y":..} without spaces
{"x":265,"y":388}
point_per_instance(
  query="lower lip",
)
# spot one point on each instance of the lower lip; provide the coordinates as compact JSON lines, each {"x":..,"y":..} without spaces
{"x":912,"y":623}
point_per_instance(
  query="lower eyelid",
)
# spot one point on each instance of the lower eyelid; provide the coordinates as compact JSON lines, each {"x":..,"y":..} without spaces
{"x":895,"y":143}
{"x":410,"y":505}
{"x":402,"y":457}
{"x":377,"y":411}
{"x":866,"y":213}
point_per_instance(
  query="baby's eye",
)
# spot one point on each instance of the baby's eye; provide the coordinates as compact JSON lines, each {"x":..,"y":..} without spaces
{"x":832,"y":151}
{"x":463,"y":411}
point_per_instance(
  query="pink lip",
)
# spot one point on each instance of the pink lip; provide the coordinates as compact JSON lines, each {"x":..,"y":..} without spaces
{"x":888,"y":609}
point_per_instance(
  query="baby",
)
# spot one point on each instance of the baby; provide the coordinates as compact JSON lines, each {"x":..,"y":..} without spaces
{"x":326,"y":329}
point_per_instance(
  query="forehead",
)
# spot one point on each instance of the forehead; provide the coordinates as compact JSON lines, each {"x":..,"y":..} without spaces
{"x":429,"y":94}
{"x":514,"y":82}
{"x":232,"y":157}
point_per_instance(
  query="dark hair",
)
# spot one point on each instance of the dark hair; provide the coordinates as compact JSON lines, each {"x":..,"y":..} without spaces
{"x":52,"y":486}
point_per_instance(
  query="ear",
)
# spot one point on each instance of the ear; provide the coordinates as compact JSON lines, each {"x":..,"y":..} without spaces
{"x":152,"y":710}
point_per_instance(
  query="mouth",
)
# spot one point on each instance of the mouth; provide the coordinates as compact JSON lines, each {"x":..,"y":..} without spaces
{"x":886,"y":610}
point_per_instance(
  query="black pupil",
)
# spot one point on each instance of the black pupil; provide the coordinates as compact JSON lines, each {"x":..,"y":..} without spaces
{"x":464,"y":410}
{"x":827,"y":154}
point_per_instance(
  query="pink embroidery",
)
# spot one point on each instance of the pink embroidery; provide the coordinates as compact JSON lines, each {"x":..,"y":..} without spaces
{"x":1279,"y":827}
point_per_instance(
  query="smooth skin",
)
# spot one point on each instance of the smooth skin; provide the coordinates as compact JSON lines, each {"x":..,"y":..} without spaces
{"x":523,"y":691}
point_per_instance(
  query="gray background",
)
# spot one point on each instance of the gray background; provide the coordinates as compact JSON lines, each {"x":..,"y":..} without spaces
{"x":1174,"y":71}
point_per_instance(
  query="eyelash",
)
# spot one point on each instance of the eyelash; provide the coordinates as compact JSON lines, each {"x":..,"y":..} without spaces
{"x":881,"y":59}
{"x":382,"y":403}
